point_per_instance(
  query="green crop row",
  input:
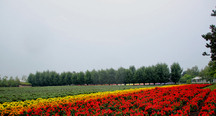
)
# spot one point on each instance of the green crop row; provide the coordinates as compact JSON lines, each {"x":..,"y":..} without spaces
{"x":9,"y":94}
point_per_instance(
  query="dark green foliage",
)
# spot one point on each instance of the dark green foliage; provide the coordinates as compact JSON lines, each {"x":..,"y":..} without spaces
{"x":81,"y":78}
{"x":30,"y":77}
{"x":75,"y":78}
{"x":211,"y":36}
{"x":68,"y":78}
{"x":51,"y":78}
{"x":133,"y":69}
{"x":133,"y":79}
{"x":95,"y":76}
{"x":128,"y":76}
{"x":88,"y":79}
{"x":38,"y":79}
{"x":111,"y":73}
{"x":151,"y":76}
{"x":139,"y":75}
{"x":162,"y":72}
{"x":154,"y":74}
{"x":56,"y":79}
{"x":62,"y":80}
{"x":120,"y":76}
{"x":176,"y":71}
{"x":102,"y":77}
{"x":44,"y":78}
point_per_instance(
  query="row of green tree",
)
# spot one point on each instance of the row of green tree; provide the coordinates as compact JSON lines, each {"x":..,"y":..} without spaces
{"x":11,"y":82}
{"x":159,"y":73}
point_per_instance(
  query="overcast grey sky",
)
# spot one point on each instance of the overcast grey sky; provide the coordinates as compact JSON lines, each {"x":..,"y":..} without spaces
{"x":80,"y":35}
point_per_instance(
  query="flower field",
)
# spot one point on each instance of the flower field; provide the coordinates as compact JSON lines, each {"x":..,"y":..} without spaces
{"x":170,"y":100}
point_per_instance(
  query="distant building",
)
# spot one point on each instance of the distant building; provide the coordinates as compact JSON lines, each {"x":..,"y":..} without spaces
{"x":198,"y":79}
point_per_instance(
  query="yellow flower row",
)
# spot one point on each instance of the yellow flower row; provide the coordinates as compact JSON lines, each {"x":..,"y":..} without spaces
{"x":14,"y":108}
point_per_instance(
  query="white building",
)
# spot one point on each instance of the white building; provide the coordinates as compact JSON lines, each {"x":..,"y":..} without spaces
{"x":200,"y":80}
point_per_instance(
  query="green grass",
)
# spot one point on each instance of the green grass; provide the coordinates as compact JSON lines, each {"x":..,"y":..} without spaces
{"x":9,"y":94}
{"x":25,"y":84}
{"x":212,"y":87}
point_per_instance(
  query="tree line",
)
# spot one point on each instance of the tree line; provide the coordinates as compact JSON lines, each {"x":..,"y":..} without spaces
{"x":159,"y":73}
{"x":207,"y":73}
{"x":11,"y":82}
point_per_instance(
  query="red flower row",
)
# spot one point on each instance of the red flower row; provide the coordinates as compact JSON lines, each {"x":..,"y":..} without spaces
{"x":159,"y":101}
{"x":209,"y":109}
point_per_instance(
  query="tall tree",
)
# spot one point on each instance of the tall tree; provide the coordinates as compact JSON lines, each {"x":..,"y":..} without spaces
{"x":211,"y":36}
{"x":30,"y":78}
{"x":81,"y":78}
{"x":75,"y":78}
{"x":51,"y":78}
{"x":128,"y":75}
{"x":102,"y":76}
{"x":111,"y":76}
{"x":45,"y":76}
{"x":95,"y":77}
{"x":88,"y":79}
{"x":176,"y":71}
{"x":144,"y":79}
{"x":68,"y":78}
{"x":151,"y":75}
{"x":56,"y":79}
{"x":62,"y":79}
{"x":120,"y":76}
{"x":162,"y":71}
{"x":138,"y":77}
{"x":38,"y":80}
{"x":133,"y":69}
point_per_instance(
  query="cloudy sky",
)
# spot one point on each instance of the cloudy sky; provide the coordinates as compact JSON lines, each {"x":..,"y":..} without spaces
{"x":80,"y":35}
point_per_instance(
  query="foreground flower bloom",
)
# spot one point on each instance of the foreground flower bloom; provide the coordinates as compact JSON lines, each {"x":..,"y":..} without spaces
{"x":169,"y":100}
{"x":14,"y":108}
{"x":178,"y":100}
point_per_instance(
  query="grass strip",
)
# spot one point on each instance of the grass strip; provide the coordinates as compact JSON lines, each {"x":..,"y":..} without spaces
{"x":212,"y":87}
